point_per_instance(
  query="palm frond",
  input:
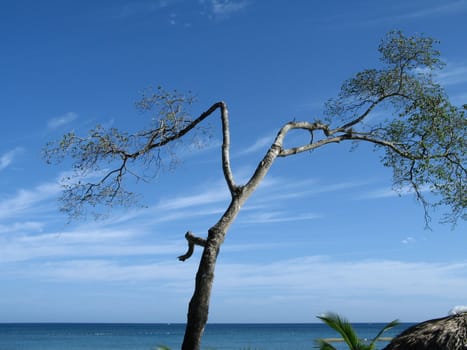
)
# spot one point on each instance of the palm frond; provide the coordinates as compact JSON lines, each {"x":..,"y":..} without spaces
{"x":322,"y":344}
{"x":387,"y":327}
{"x":344,"y":328}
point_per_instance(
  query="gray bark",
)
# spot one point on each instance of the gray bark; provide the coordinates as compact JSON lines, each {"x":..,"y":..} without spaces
{"x":198,"y":309}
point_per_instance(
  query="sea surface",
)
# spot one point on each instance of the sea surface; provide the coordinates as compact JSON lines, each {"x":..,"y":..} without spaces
{"x":87,"y":336}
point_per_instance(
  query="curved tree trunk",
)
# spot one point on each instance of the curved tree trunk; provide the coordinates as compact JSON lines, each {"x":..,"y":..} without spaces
{"x":198,"y":309}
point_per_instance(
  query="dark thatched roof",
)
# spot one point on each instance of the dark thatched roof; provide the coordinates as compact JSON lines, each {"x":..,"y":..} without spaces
{"x":447,"y":333}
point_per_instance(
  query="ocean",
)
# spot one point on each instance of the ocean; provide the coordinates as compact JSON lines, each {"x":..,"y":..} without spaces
{"x":86,"y":336}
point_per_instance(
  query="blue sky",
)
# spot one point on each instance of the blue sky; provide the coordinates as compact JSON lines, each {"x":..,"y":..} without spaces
{"x":324,"y":232}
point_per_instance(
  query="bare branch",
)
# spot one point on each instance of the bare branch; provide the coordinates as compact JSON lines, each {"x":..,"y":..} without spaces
{"x":226,"y":167}
{"x":276,"y":149}
{"x":192,"y":241}
{"x":192,"y":124}
{"x":418,"y":194}
{"x":310,"y":127}
{"x":225,"y":144}
{"x":396,"y":148}
{"x":372,"y":106}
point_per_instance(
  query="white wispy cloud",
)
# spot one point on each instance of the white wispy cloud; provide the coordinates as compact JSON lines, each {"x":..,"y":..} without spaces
{"x":453,"y":74}
{"x":381,"y":193}
{"x":27,"y":200}
{"x":448,"y":8}
{"x":306,"y":277}
{"x":141,"y":7}
{"x":59,"y":121}
{"x":85,"y":242}
{"x":188,"y":214}
{"x":8,"y":157}
{"x":248,"y":247}
{"x":99,"y":270}
{"x":416,"y":11}
{"x":396,"y":278}
{"x":408,"y":240}
{"x":214,"y":194}
{"x":224,"y":8}
{"x":260,"y":144}
{"x":22,"y":226}
{"x":389,"y":192}
{"x":278,"y":216}
{"x":290,"y":189}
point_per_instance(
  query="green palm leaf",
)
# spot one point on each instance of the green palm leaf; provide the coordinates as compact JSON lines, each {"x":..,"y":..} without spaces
{"x":385,"y":328}
{"x":324,"y":345}
{"x":344,"y":328}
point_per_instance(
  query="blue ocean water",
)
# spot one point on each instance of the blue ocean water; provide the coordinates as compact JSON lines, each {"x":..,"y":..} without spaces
{"x":70,"y":336}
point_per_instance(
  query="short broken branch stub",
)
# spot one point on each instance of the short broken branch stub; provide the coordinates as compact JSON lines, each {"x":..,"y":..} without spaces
{"x":192,"y":241}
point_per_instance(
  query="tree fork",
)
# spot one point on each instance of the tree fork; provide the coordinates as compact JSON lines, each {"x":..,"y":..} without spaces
{"x":424,"y":144}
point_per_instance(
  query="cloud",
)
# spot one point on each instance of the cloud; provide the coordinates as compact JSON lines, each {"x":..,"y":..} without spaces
{"x":381,"y":193}
{"x":260,"y":144}
{"x":453,"y":74}
{"x":458,"y":309}
{"x":141,"y":7}
{"x":224,"y":8}
{"x":456,"y":7}
{"x":87,"y":241}
{"x":389,"y":192}
{"x":408,"y":240}
{"x":214,"y":194}
{"x":289,"y":277}
{"x":319,"y":276}
{"x":22,"y":226}
{"x":277,"y":216}
{"x":7,"y":158}
{"x":109,"y":271}
{"x":308,"y":277}
{"x":285,"y":189}
{"x":27,"y":201}
{"x":64,"y":119}
{"x":419,"y":12}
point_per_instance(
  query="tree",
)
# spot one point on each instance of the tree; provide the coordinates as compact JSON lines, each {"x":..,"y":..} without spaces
{"x":422,"y":139}
{"x":345,"y":329}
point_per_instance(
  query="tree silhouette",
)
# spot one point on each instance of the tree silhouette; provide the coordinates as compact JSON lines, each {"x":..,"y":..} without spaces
{"x":422,"y":138}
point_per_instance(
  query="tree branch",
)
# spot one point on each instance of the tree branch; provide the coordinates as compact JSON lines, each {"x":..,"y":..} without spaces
{"x":310,"y":127}
{"x":192,"y":241}
{"x":226,"y":167}
{"x":226,"y":149}
{"x":121,"y":148}
{"x":276,"y":149}
{"x":150,"y":145}
{"x":394,"y":147}
{"x":369,"y":109}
